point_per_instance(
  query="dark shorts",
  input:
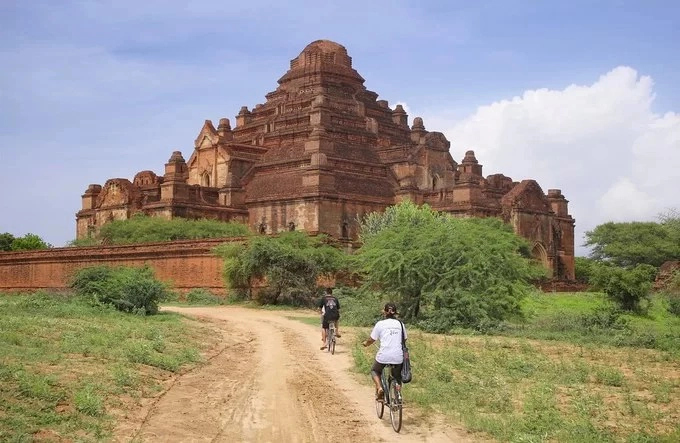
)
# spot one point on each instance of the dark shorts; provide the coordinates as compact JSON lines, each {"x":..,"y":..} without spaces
{"x":327,"y":319}
{"x":396,"y":369}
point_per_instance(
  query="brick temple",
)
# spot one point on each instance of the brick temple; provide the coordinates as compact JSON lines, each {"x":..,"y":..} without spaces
{"x":321,"y":152}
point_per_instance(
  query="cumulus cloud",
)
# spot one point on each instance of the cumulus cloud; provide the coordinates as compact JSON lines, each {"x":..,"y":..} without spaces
{"x":614,"y":158}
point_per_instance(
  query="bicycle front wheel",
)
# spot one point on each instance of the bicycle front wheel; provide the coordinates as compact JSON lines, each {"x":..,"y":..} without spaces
{"x":379,"y":408}
{"x":395,"y":406}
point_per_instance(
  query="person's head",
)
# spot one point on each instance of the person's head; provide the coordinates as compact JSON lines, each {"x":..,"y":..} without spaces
{"x":390,"y":310}
{"x":329,"y":292}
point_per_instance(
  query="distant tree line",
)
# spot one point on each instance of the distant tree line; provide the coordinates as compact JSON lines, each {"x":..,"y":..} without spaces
{"x":9,"y":242}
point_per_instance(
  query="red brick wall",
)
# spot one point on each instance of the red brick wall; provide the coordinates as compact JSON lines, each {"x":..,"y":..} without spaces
{"x":184,"y":264}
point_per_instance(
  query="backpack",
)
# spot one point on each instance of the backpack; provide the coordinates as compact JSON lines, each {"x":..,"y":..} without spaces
{"x":331,"y":308}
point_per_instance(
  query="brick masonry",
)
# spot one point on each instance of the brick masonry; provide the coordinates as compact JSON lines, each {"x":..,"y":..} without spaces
{"x":183,"y":264}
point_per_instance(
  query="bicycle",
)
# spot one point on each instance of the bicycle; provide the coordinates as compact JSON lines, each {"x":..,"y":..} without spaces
{"x":392,"y":398}
{"x":330,"y":339}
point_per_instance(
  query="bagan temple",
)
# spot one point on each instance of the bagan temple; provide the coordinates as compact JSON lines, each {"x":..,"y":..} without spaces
{"x":318,"y":155}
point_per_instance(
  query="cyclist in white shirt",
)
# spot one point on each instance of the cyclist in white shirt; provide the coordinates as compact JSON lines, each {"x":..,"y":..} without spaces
{"x":389,"y":332}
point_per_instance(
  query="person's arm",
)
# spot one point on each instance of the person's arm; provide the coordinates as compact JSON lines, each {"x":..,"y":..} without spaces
{"x":375,"y":333}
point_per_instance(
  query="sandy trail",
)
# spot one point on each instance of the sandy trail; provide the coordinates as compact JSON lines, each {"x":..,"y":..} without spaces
{"x":271,"y":383}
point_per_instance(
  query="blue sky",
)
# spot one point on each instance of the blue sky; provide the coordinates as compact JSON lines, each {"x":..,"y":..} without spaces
{"x":581,"y":95}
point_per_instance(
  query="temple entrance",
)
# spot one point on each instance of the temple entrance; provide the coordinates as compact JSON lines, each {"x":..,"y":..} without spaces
{"x":540,"y":255}
{"x":205,"y":179}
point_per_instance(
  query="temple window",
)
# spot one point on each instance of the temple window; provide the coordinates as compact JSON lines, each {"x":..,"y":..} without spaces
{"x":205,"y":179}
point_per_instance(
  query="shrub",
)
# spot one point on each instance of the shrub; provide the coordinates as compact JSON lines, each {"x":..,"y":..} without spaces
{"x":583,"y":267}
{"x":128,"y":289}
{"x":200,"y":296}
{"x":672,"y":293}
{"x":144,"y":229}
{"x":628,"y":288}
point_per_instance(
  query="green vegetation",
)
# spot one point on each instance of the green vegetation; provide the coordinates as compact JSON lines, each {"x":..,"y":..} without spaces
{"x":145,"y":229}
{"x":634,"y":243}
{"x":444,"y":271}
{"x":628,"y":288}
{"x":128,"y":289}
{"x":565,"y":371}
{"x":672,"y":293}
{"x":28,"y":242}
{"x":289,"y":263}
{"x":67,"y":367}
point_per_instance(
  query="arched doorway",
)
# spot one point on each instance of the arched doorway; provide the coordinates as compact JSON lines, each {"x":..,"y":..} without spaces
{"x":205,"y":179}
{"x":540,"y":254}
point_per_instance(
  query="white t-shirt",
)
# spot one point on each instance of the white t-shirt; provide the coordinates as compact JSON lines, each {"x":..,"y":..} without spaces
{"x":388,"y":332}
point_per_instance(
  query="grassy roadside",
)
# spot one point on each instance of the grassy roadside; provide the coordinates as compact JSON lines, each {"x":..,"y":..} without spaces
{"x":535,"y":383}
{"x":68,"y":369}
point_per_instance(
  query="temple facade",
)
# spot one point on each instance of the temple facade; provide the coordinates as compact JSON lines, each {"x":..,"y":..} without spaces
{"x":318,"y":155}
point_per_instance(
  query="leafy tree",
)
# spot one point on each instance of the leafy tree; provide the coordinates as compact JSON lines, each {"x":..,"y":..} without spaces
{"x":289,"y":264}
{"x":6,"y":240}
{"x":583,"y":269}
{"x":628,"y":288}
{"x":29,"y":242}
{"x":145,"y":229}
{"x":444,"y":270}
{"x":633,"y":243}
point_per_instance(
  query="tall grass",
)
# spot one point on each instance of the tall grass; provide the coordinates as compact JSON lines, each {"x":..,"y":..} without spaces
{"x":572,"y":369}
{"x":64,"y":364}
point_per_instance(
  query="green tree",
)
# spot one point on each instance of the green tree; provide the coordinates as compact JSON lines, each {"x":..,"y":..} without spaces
{"x":629,"y":288}
{"x":29,"y":242}
{"x":633,"y":243}
{"x":6,"y":240}
{"x":289,"y":264}
{"x":444,"y":270}
{"x":583,"y":269}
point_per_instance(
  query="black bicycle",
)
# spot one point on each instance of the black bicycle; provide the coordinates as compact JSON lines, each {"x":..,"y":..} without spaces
{"x":392,"y":398}
{"x":330,"y":339}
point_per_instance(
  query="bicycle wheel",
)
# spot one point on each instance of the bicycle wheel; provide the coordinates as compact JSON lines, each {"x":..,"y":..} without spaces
{"x":395,"y":406}
{"x":333,"y":345}
{"x":379,"y":408}
{"x":331,"y":338}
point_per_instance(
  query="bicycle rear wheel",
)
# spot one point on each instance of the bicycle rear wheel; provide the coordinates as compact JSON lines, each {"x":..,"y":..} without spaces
{"x":395,"y":406}
{"x":331,"y":340}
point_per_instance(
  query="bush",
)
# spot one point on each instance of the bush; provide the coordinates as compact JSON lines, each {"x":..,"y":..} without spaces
{"x":628,"y":288}
{"x":128,"y":289}
{"x":672,"y":293}
{"x":200,"y":296}
{"x":583,"y":268}
{"x":144,"y":229}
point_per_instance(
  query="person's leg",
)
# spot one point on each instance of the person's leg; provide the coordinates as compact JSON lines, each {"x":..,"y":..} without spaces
{"x":396,"y":374}
{"x":376,"y":370}
{"x":324,"y":333}
{"x":337,"y":328}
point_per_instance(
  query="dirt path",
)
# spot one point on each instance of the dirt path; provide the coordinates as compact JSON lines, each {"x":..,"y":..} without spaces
{"x":271,"y":383}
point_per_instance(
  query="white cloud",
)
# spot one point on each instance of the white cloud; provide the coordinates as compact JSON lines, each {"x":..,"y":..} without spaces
{"x":602,"y":144}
